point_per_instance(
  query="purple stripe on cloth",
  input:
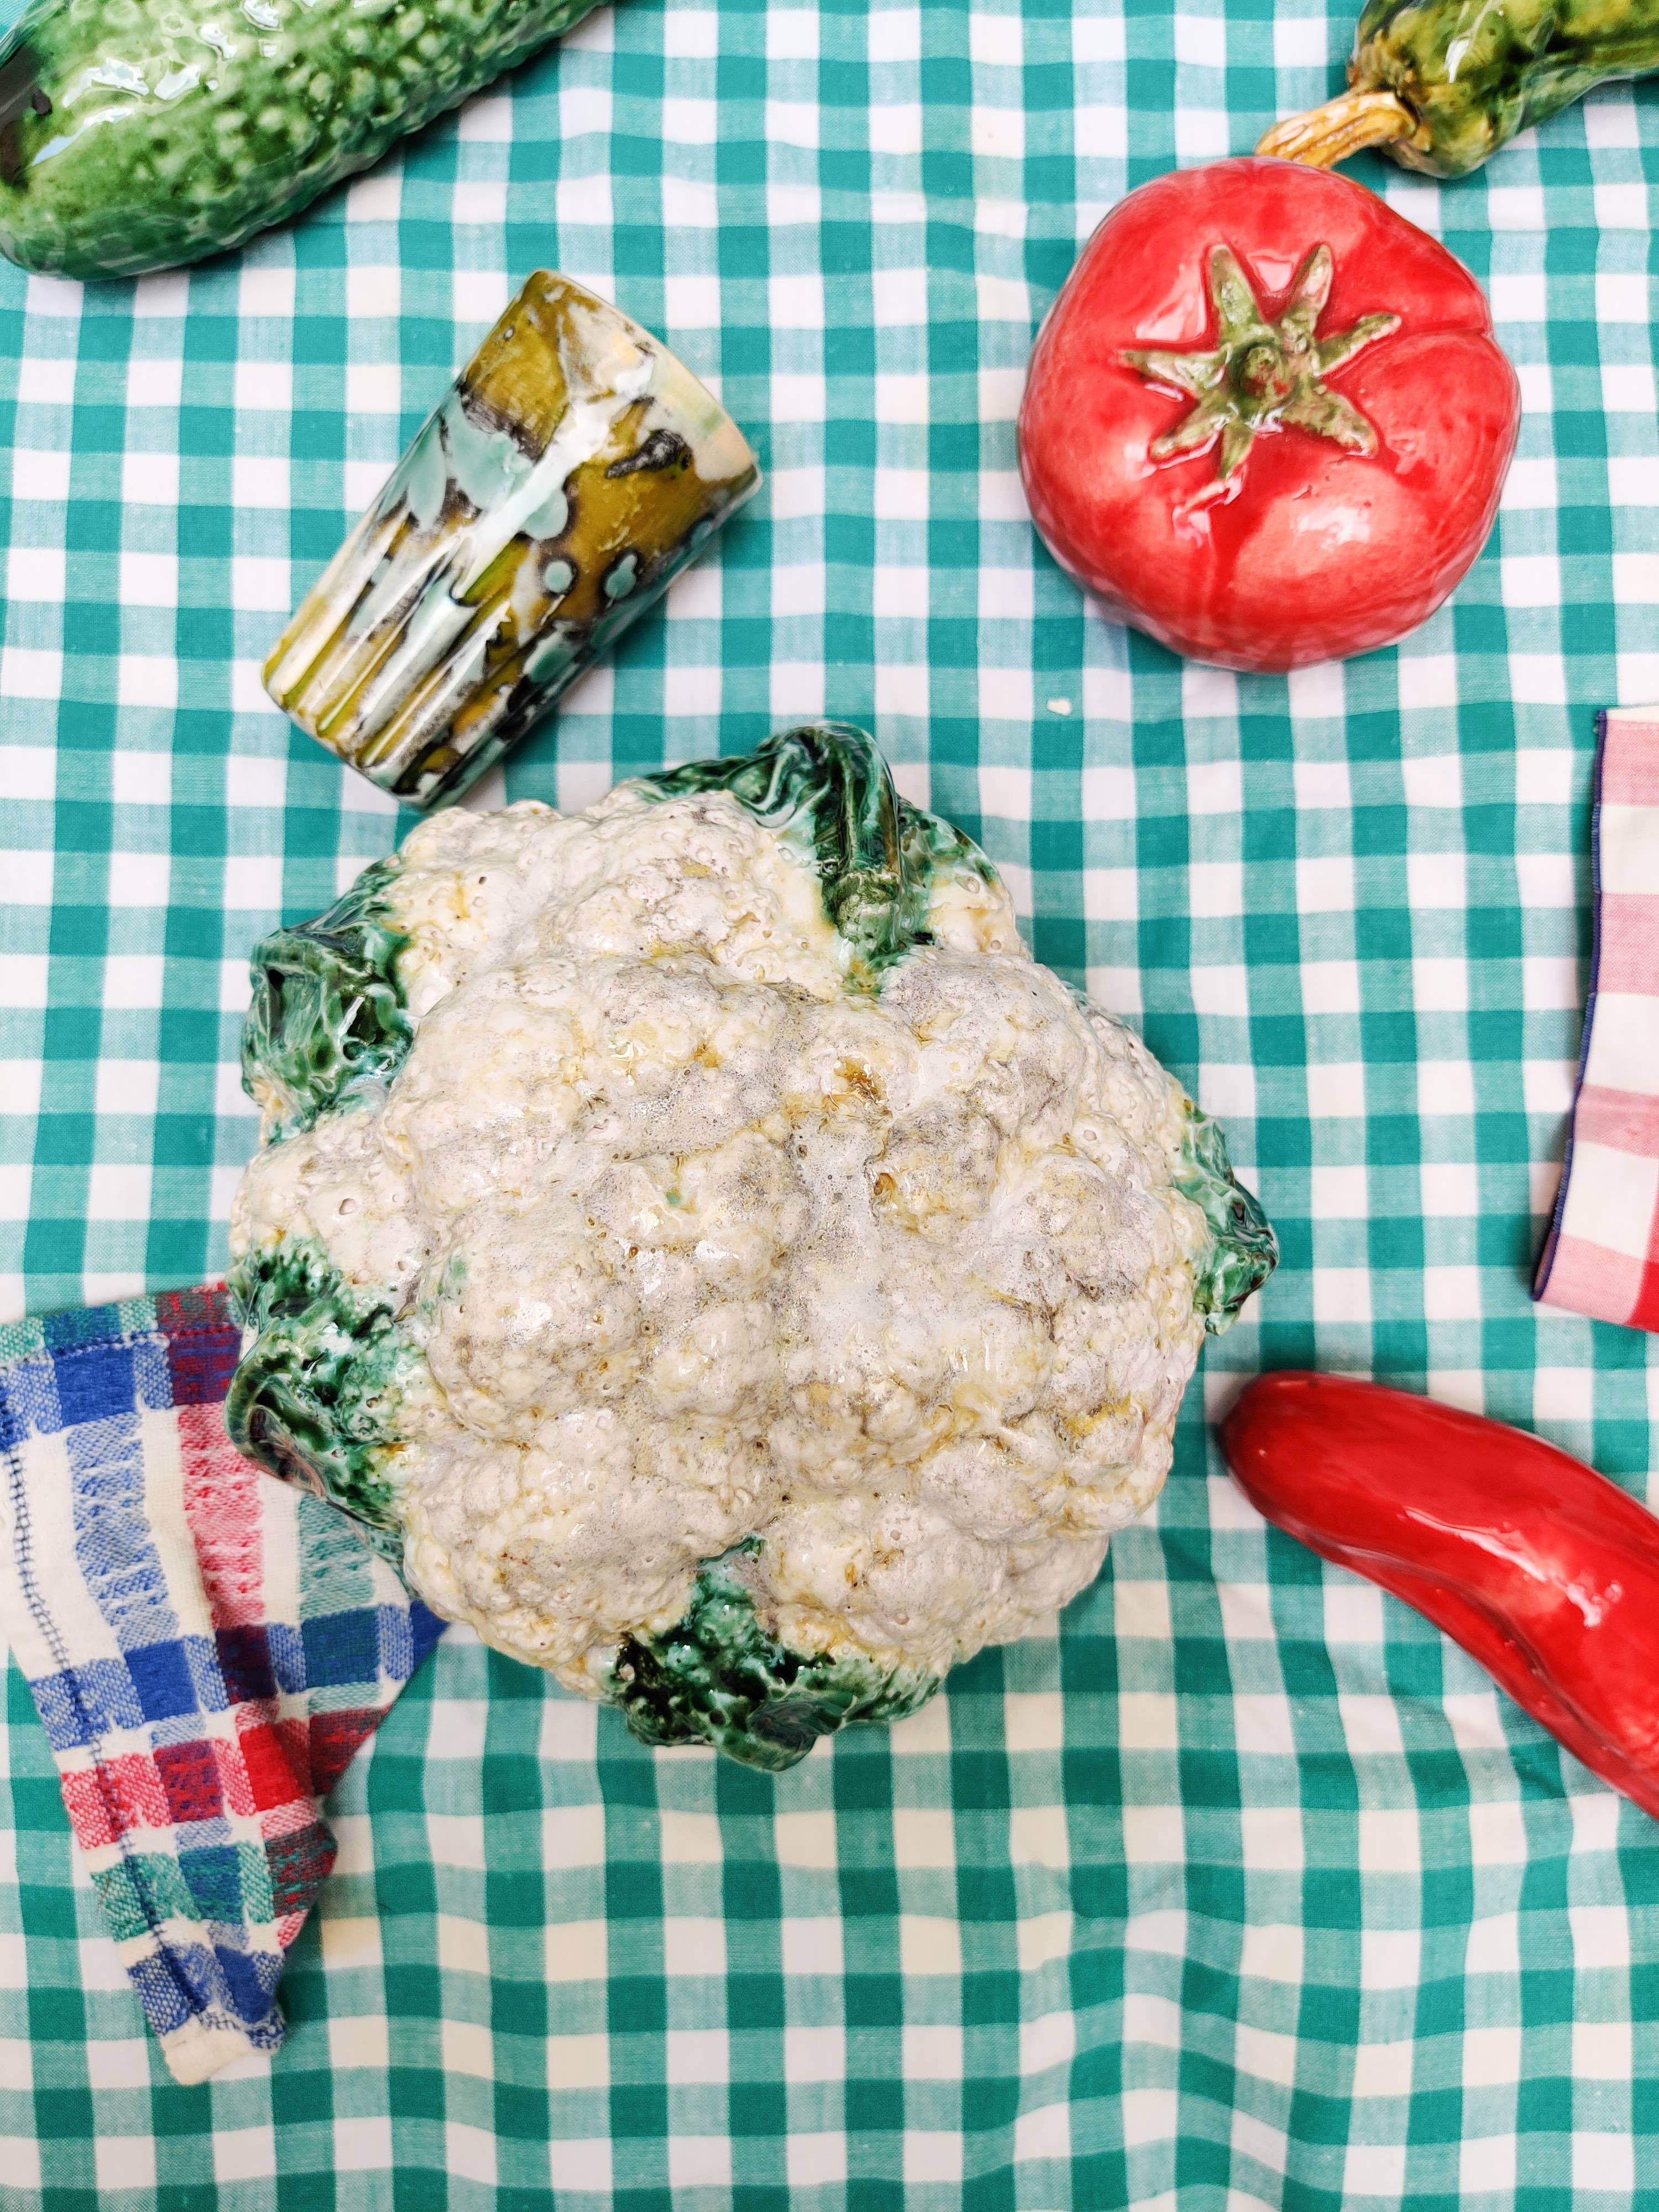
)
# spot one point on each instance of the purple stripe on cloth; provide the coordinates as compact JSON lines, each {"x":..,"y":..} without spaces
{"x":113,"y":1546}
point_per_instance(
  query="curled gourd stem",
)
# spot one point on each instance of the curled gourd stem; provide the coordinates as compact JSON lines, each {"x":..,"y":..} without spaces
{"x":1341,"y":127}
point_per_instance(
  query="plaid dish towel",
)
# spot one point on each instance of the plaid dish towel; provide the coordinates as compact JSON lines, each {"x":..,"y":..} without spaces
{"x":206,"y":1646}
{"x":1601,"y":1257}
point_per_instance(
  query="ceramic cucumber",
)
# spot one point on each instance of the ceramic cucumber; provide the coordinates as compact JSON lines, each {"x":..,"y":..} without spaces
{"x":139,"y":134}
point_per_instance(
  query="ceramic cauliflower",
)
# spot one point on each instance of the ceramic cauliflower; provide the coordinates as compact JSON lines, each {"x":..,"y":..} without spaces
{"x":712,"y":1255}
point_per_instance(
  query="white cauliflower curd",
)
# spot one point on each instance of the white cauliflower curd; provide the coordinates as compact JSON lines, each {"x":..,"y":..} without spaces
{"x":729,"y":1270}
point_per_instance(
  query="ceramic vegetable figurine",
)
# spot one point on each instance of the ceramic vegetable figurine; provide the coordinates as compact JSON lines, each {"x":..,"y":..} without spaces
{"x":574,"y":470}
{"x":1542,"y":1570}
{"x":137,"y":134}
{"x":1440,"y":85}
{"x":720,"y":1262}
{"x":1265,"y":420}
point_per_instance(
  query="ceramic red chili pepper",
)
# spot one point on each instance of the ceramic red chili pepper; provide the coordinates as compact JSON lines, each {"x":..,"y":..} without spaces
{"x":1542,"y":1569}
{"x":1267,"y":420}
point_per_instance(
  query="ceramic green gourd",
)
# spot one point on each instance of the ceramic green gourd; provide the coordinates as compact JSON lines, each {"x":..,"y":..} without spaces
{"x":1440,"y":85}
{"x":138,"y":134}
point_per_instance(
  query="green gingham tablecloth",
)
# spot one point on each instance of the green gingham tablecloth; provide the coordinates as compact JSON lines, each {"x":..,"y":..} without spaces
{"x":1244,"y":1889}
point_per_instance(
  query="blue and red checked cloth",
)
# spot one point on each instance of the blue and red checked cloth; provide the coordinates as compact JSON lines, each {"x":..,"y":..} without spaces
{"x":1601,"y":1257}
{"x":207,"y":1648}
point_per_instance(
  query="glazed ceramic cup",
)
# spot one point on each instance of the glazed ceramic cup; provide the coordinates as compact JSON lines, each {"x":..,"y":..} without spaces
{"x":573,"y":469}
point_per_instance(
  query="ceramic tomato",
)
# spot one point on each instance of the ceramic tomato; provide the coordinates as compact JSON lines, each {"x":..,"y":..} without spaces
{"x":1267,"y":420}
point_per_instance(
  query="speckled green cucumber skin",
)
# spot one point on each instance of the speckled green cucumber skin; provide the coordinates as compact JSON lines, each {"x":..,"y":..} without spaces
{"x":1475,"y":72}
{"x":139,"y":134}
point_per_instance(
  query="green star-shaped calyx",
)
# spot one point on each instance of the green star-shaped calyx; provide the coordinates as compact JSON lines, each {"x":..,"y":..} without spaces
{"x":1261,"y":375}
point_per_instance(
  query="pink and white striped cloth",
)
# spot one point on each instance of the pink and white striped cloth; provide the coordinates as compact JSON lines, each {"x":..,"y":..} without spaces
{"x":1601,"y":1257}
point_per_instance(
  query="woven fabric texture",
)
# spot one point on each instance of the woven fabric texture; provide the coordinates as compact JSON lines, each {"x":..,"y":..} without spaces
{"x":205,"y":1646}
{"x":1601,"y":1257}
{"x":1245,"y":1889}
